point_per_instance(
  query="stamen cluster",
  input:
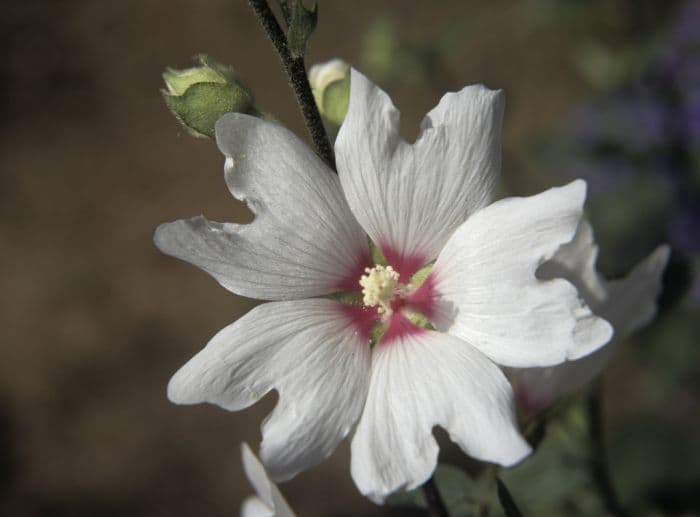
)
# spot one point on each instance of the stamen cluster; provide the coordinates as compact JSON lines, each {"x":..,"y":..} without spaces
{"x":379,"y":286}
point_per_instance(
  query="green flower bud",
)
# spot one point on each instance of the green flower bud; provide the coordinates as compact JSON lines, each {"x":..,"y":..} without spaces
{"x":301,"y":23}
{"x":198,"y":96}
{"x":330,"y":83}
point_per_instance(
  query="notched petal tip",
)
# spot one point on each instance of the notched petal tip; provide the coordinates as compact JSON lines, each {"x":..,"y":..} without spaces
{"x":278,"y":256}
{"x":366,"y":98}
{"x":590,"y":334}
{"x":570,"y":199}
{"x":477,"y":100}
{"x":509,"y":240}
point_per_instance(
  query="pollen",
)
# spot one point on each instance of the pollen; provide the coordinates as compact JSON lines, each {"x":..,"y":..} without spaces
{"x":379,"y":286}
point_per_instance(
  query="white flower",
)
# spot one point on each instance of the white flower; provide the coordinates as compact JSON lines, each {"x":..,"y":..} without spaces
{"x":421,"y":202}
{"x":330,"y":84}
{"x":628,"y":304}
{"x":322,"y":75}
{"x":268,"y":502}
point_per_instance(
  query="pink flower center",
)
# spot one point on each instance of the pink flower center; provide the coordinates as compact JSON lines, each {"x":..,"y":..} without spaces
{"x":391,"y":309}
{"x":381,"y":289}
{"x":395,"y":303}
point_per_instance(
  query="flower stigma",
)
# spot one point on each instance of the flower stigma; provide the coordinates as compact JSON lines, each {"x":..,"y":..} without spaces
{"x":380,"y":285}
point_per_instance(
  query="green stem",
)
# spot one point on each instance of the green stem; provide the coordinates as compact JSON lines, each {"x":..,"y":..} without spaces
{"x":436,"y":506}
{"x":599,"y":459}
{"x":296,"y":72}
{"x":507,"y":502}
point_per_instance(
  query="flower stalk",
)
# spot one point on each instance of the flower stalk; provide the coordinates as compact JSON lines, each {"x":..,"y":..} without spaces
{"x":296,"y":73}
{"x":506,"y":499}
{"x":599,"y":459}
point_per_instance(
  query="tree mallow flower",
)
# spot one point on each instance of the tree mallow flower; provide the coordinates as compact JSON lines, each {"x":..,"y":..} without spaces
{"x":451,"y":292}
{"x":268,"y":501}
{"x":628,"y":304}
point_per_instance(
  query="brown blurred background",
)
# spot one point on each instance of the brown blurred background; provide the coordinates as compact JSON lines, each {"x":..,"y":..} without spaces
{"x":94,"y":319}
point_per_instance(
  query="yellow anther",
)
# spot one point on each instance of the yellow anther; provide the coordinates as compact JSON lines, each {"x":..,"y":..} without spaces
{"x":379,"y":286}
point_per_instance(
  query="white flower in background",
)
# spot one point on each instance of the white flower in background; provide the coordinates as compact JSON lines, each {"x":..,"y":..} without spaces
{"x":268,"y":502}
{"x":322,"y":75}
{"x":419,"y":203}
{"x":330,"y":84}
{"x":628,"y":304}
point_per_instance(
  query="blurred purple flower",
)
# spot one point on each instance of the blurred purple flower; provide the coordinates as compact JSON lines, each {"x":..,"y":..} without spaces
{"x":695,"y":290}
{"x":629,"y":122}
{"x":684,"y":228}
{"x":692,"y":118}
{"x":648,"y":128}
{"x":685,"y":29}
{"x":605,"y":175}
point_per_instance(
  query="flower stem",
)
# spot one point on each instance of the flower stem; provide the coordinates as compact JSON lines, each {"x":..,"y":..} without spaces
{"x":436,"y":506}
{"x":599,"y":459}
{"x":507,"y":502}
{"x":296,"y":72}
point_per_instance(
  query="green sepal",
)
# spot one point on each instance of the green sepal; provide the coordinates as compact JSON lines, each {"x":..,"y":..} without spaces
{"x":204,"y":103}
{"x":377,"y":332}
{"x":355,"y":298}
{"x":198,"y":96}
{"x":347,"y":297}
{"x":302,"y":23}
{"x":419,"y":320}
{"x":286,"y":12}
{"x":376,"y":255}
{"x":419,"y":276}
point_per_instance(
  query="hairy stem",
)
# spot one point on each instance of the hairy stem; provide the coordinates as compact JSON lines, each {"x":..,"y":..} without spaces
{"x":599,"y":459}
{"x":436,"y":506}
{"x":296,"y":72}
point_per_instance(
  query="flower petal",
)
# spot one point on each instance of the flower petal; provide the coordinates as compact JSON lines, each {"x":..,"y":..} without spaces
{"x":254,"y":507}
{"x":537,"y":388}
{"x":270,"y":501}
{"x":487,"y":292}
{"x":631,"y":301}
{"x":628,"y":304}
{"x":419,"y":381}
{"x":304,"y":240}
{"x":410,"y":198}
{"x":576,"y":262}
{"x":310,"y":352}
